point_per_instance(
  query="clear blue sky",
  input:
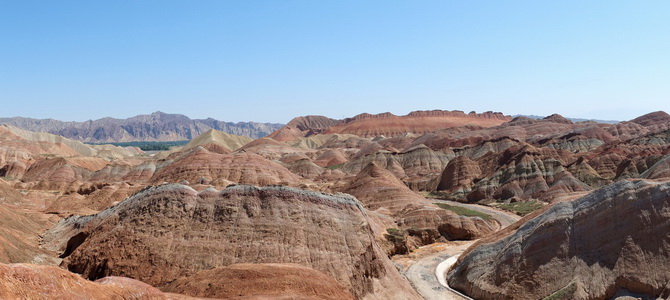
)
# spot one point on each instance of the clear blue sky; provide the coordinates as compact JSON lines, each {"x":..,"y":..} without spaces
{"x":273,"y":60}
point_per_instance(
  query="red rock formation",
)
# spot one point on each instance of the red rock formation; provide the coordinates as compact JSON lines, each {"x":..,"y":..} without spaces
{"x":556,"y":118}
{"x":305,"y":168}
{"x":261,"y":280}
{"x":171,"y":231}
{"x":330,"y":157}
{"x":656,"y":119}
{"x":387,"y":124}
{"x":25,"y":281}
{"x":301,"y":127}
{"x":19,"y":232}
{"x":459,"y":176}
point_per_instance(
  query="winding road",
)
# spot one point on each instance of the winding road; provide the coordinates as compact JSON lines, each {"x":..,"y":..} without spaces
{"x":427,"y":274}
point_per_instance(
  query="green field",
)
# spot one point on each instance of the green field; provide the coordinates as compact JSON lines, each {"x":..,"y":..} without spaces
{"x":147,"y":146}
{"x":462,"y":211}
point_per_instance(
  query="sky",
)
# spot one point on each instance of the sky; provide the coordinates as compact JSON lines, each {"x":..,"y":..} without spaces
{"x":270,"y":61}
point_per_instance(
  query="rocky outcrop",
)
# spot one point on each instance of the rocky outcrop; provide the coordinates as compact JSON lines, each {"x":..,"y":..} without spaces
{"x":524,"y":172}
{"x":660,"y":170}
{"x":164,"y":233}
{"x":379,"y":190}
{"x":261,"y":280}
{"x":613,"y":239}
{"x":91,"y":198}
{"x":417,"y":166}
{"x":157,"y":126}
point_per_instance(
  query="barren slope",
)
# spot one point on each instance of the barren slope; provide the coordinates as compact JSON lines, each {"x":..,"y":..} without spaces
{"x":171,"y":231}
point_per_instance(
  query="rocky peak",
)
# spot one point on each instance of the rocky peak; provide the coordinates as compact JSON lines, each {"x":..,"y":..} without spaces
{"x":556,"y":118}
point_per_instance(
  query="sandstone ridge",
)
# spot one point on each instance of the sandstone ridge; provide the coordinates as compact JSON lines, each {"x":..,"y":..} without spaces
{"x":611,"y":240}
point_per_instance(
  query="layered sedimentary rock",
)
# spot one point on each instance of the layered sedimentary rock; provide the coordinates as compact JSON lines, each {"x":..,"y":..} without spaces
{"x":654,"y":122}
{"x":387,"y":124}
{"x":613,"y":239}
{"x":459,"y":176}
{"x":330,"y":157}
{"x":290,"y":281}
{"x":91,"y":198}
{"x":302,"y":127}
{"x":199,"y":165}
{"x":416,"y":166}
{"x":218,"y":141}
{"x":660,"y":170}
{"x":70,"y":147}
{"x":19,"y":232}
{"x":520,"y":172}
{"x":168,"y":232}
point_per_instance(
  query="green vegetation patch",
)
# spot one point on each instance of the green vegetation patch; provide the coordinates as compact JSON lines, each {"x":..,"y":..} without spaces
{"x":462,"y":211}
{"x":521,"y":208}
{"x":563,"y":294}
{"x":395,"y":235}
{"x":437,"y":195}
{"x":333,"y":167}
{"x":148,"y":146}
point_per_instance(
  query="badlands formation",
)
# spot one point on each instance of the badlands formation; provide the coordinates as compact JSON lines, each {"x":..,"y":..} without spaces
{"x":340,"y":209}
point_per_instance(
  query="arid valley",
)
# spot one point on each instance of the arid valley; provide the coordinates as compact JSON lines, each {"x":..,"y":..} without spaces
{"x":334,"y":150}
{"x":433,"y":204}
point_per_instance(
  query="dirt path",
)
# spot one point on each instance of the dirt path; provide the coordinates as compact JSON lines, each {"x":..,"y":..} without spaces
{"x":426,"y":273}
{"x":421,"y":272}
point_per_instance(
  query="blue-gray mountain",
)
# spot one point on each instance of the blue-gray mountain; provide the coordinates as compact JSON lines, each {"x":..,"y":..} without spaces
{"x":157,"y":126}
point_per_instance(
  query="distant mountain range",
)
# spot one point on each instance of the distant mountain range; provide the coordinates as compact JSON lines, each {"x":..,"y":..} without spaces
{"x":571,"y":119}
{"x":157,"y":126}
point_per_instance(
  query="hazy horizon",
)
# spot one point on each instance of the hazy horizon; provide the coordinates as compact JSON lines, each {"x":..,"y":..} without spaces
{"x":268,"y":61}
{"x":397,"y":114}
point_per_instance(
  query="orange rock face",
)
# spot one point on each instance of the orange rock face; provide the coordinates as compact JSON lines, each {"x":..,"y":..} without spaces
{"x":25,"y":281}
{"x":261,"y":280}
